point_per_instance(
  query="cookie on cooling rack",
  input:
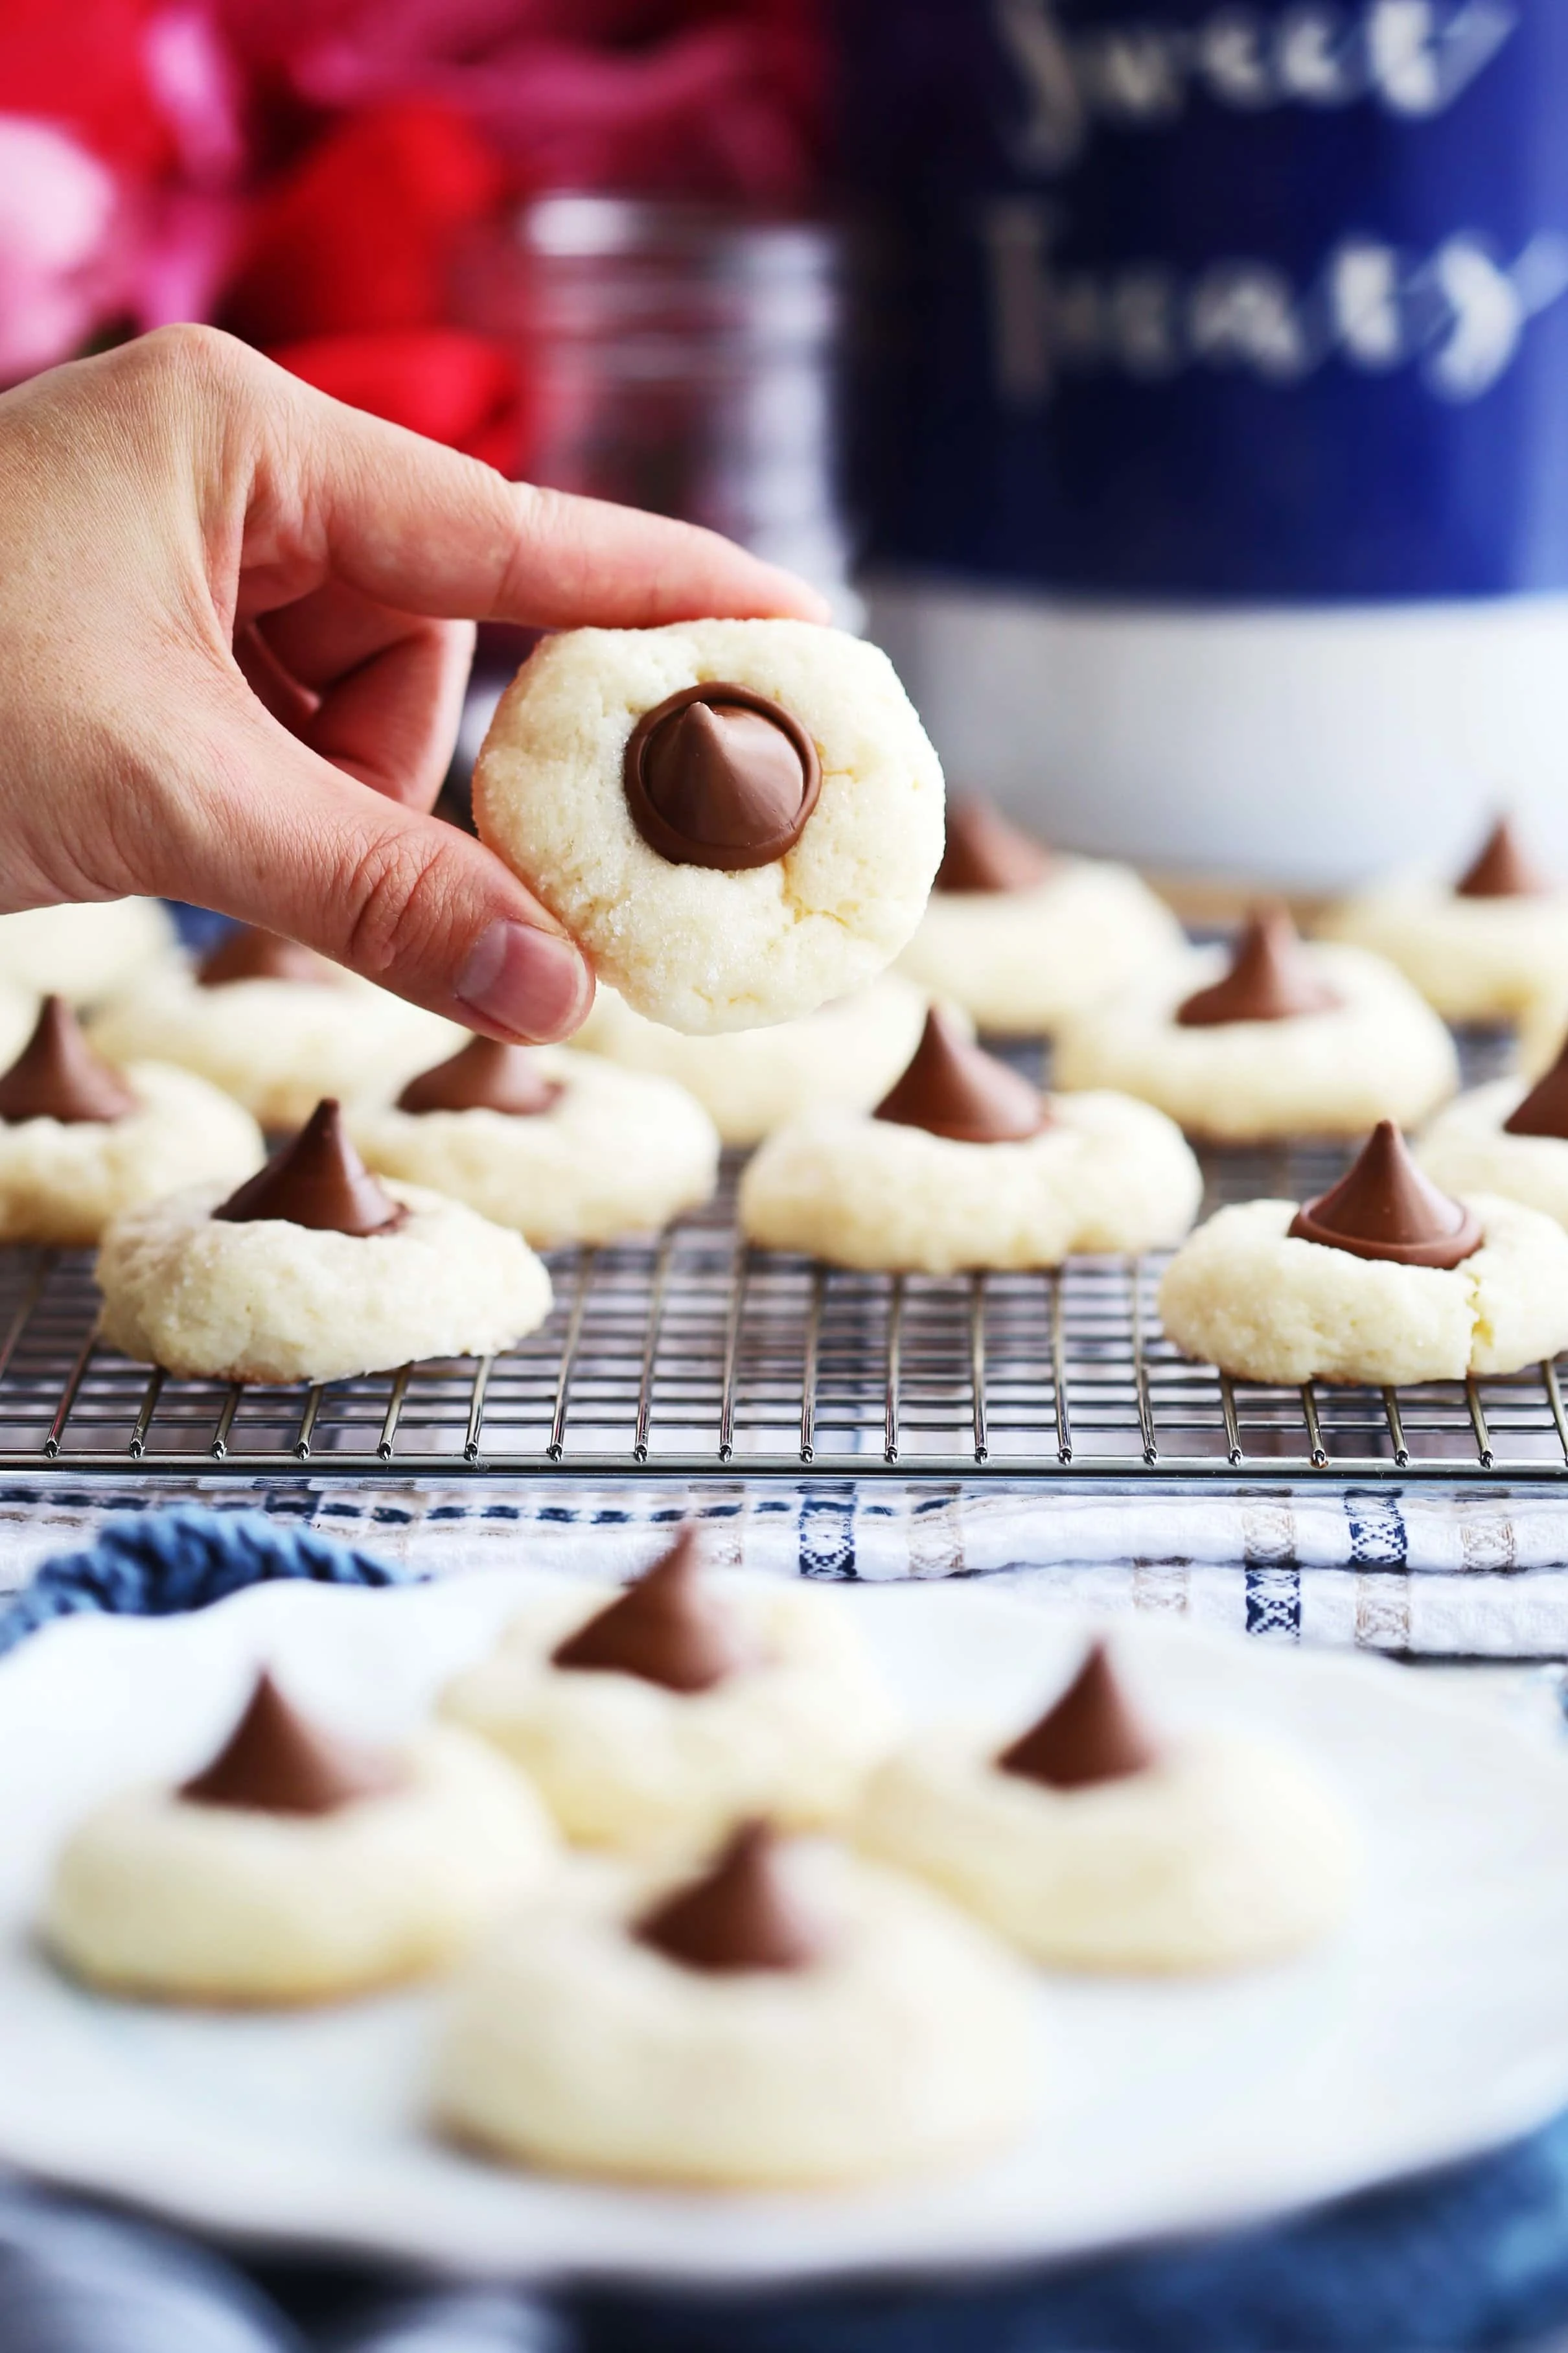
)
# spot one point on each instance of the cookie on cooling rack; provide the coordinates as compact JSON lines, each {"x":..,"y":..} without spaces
{"x":654,"y":1719}
{"x":313,"y":1271}
{"x":965,"y":1165}
{"x":296,"y":1867}
{"x":1382,"y":1279}
{"x":85,"y":953}
{"x":80,"y":1141}
{"x":1093,"y":1844}
{"x":1481,"y":949}
{"x":1277,"y":1038}
{"x":275,"y":1026}
{"x":1509,"y":1138}
{"x":1023,"y":938}
{"x":738,"y":819}
{"x":791,"y":2018}
{"x":562,"y":1147}
{"x":845,"y":1056}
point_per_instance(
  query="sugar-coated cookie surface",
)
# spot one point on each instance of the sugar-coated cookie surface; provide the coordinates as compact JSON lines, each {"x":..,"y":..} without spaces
{"x":630,"y":1765}
{"x":576,"y":2048}
{"x":276,"y":1301}
{"x":1223,"y":1852}
{"x":1108,"y":1174}
{"x":1380,"y":1053}
{"x":1245,"y":1295}
{"x":1466,"y":1149}
{"x":1020,"y":961}
{"x":694,"y":947}
{"x":845,"y":1054}
{"x":61,"y":1183}
{"x":277,"y":1046}
{"x":618,"y":1151}
{"x":18,"y":1011}
{"x":156,"y":1896}
{"x":85,"y":953}
{"x":1475,"y":959}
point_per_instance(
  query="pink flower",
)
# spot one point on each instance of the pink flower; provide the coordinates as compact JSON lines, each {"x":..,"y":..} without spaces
{"x":58,"y":208}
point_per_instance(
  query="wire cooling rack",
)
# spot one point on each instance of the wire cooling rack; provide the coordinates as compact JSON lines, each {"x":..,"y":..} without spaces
{"x":694,"y":1354}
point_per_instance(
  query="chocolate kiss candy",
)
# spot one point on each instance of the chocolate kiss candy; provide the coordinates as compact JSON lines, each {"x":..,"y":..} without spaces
{"x":667,"y":1629}
{"x":717,"y":775}
{"x":57,"y":1075}
{"x":1502,"y":871}
{"x":249,"y":954}
{"x":985,"y":852}
{"x":484,"y":1075}
{"x":1386,"y":1208}
{"x":1544,"y":1111}
{"x":954,"y":1087}
{"x":318,"y":1180}
{"x":1089,"y":1735}
{"x":745,"y":1914}
{"x":1269,"y":979}
{"x":274,"y":1762}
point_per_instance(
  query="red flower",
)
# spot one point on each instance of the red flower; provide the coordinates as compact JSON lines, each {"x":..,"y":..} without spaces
{"x":454,"y":387}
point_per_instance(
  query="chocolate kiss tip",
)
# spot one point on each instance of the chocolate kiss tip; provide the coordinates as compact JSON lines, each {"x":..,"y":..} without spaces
{"x":954,"y":1087}
{"x":720,"y":777}
{"x":1090,"y":1734}
{"x":986,"y":851}
{"x":1271,"y":979}
{"x":1501,"y":870}
{"x":1386,"y":1207}
{"x":745,"y":1914}
{"x":276,"y":1762}
{"x":251,"y":953}
{"x":57,"y":1076}
{"x":318,"y":1180}
{"x":1544,"y":1111}
{"x":667,"y":1629}
{"x":487,"y":1074}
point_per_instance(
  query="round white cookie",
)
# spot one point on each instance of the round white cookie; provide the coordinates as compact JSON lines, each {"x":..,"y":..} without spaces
{"x":1381,"y":1053}
{"x":1542,"y":1030}
{"x":632,"y":1766}
{"x":846,"y":1055}
{"x":86,"y":953}
{"x":270,"y":1300}
{"x":1107,"y":1175}
{"x":1267,"y":1306}
{"x":691,"y":946}
{"x":1022,"y":961}
{"x":1474,"y":959}
{"x":908,"y":2046}
{"x":154,"y":1894}
{"x":1466,"y":1149}
{"x":1221,"y":1852}
{"x":18,"y":1012}
{"x":277,"y":1046}
{"x":60,"y":1182}
{"x":616,"y":1152}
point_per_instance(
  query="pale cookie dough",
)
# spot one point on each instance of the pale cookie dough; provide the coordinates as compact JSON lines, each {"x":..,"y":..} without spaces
{"x":910,"y":2046}
{"x":1107,"y":1175}
{"x":85,"y":953}
{"x":270,"y":1301}
{"x":844,"y":1055}
{"x":632,"y":1766}
{"x":18,"y":1012}
{"x":277,"y":1046}
{"x":61,"y":1183}
{"x":154,"y":1894}
{"x":616,"y":1152}
{"x":1380,"y":1054}
{"x":1474,"y":959}
{"x":1223,"y":1852}
{"x":1267,"y":1306}
{"x":1467,"y":1150}
{"x":695,"y":949}
{"x":1021,"y":961}
{"x":1542,"y":1030}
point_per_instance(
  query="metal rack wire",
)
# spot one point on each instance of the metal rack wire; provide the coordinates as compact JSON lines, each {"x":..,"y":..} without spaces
{"x":693,"y":1354}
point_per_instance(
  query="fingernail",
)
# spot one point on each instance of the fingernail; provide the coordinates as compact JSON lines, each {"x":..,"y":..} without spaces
{"x":533,"y":983}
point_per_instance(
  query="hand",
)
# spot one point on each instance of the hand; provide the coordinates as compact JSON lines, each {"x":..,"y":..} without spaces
{"x":236,"y":622}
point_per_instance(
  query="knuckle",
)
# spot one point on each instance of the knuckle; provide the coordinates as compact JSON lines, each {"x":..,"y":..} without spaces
{"x":190,"y":351}
{"x":392,"y":889}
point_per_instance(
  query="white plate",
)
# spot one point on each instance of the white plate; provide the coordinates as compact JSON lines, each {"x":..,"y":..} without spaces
{"x":1437,"y":2024}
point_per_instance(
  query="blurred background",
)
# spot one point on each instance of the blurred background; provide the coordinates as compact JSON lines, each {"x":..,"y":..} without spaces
{"x":1180,"y":391}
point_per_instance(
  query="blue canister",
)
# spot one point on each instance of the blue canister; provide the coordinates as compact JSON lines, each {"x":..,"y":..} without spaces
{"x":1213,"y":424}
